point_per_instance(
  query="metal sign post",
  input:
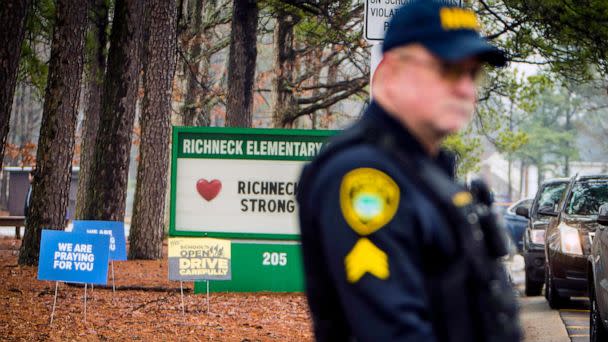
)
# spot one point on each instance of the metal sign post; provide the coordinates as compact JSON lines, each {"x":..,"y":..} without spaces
{"x":378,"y":13}
{"x":54,"y":302}
{"x":113,"y":284}
{"x":208,"y":312}
{"x":376,"y":57}
{"x":85,"y":302}
{"x":181,"y":290}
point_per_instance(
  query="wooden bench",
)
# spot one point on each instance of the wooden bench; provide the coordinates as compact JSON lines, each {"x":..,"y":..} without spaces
{"x":13,"y":221}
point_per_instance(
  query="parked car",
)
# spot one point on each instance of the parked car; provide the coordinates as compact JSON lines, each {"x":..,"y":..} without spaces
{"x":516,"y":224}
{"x":547,"y":196}
{"x":568,"y":238}
{"x":598,"y":278}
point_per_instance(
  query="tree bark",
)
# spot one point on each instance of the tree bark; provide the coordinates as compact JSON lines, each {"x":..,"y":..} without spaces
{"x":521,"y":179}
{"x":146,"y":233}
{"x":284,"y":61}
{"x":12,"y":17}
{"x":332,"y":77}
{"x":106,"y":200}
{"x":241,"y":63}
{"x":192,"y":112}
{"x":568,"y":128}
{"x":50,"y":189}
{"x":509,"y":177}
{"x":95,"y":75}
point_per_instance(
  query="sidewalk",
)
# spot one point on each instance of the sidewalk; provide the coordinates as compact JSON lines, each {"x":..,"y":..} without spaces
{"x":539,"y":322}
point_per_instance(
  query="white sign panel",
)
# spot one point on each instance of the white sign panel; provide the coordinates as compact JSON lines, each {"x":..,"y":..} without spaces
{"x":237,"y":196}
{"x":378,"y":13}
{"x":238,"y":183}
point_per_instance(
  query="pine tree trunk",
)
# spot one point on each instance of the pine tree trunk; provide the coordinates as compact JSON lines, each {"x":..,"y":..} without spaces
{"x":95,"y":75}
{"x":241,"y":63}
{"x":12,"y":17}
{"x":146,"y":234}
{"x":568,"y":128}
{"x":192,"y":110}
{"x":332,"y":77}
{"x":284,"y":65}
{"x":509,"y":181}
{"x":313,"y":60}
{"x":50,"y":189}
{"x":106,"y":199}
{"x":521,"y":179}
{"x":3,"y":190}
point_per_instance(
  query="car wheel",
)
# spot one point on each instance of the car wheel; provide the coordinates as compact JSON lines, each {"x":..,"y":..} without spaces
{"x":555,"y":300}
{"x":597,"y":329}
{"x":533,"y":288}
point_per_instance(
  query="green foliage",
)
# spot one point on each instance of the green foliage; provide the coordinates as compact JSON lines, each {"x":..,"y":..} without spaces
{"x":318,"y":30}
{"x":514,"y":98}
{"x":510,"y":142}
{"x":550,"y":129}
{"x":547,"y":147}
{"x":468,"y":150}
{"x":595,"y":128}
{"x":33,"y":66}
{"x":320,"y":23}
{"x":96,"y":42}
{"x":41,"y":20}
{"x":571,"y":34}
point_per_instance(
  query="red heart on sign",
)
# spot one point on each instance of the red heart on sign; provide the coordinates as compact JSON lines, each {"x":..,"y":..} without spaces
{"x":208,"y":190}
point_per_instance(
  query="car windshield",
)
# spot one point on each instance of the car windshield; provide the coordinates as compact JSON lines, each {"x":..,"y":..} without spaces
{"x":587,"y":197}
{"x":551,"y":194}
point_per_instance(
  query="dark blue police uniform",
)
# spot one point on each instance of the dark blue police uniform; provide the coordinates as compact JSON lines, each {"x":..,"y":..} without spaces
{"x":380,"y":259}
{"x":393,"y":248}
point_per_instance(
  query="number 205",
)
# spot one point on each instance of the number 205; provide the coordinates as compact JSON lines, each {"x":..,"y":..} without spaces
{"x":274,"y":259}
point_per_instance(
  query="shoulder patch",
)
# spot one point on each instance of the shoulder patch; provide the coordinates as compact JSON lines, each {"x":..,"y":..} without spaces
{"x":369,"y":199}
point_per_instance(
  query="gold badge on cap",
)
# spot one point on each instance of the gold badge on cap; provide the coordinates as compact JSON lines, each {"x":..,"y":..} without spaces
{"x":454,"y":18}
{"x":369,"y":199}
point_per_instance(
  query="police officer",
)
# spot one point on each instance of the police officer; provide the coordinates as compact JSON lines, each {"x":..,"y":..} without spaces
{"x":394,"y":249}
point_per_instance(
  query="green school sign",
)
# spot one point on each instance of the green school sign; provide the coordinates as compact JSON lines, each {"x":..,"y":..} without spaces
{"x":241,"y":184}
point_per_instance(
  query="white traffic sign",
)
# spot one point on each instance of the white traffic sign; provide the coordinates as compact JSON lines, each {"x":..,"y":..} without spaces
{"x":377,"y":15}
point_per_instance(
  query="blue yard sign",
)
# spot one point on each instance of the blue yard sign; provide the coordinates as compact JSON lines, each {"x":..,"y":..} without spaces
{"x":73,"y":258}
{"x":116,"y":231}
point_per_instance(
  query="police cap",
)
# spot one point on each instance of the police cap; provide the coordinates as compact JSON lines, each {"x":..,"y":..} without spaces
{"x":447,"y":30}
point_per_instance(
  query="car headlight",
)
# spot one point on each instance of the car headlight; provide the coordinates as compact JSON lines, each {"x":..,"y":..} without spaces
{"x":570,"y":239}
{"x":537,"y":236}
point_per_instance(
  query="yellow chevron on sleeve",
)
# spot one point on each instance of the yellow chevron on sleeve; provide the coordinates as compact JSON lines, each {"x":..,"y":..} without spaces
{"x":363,"y":258}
